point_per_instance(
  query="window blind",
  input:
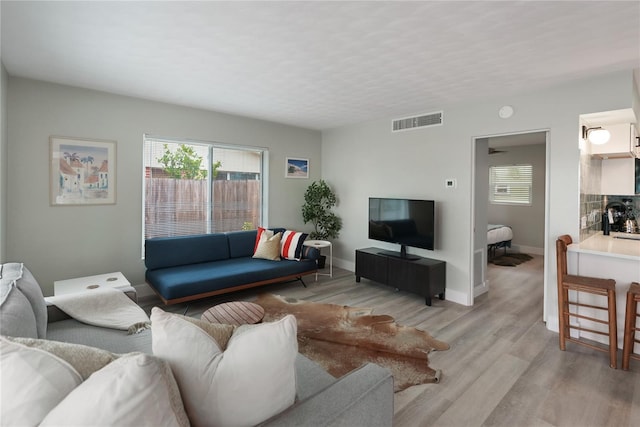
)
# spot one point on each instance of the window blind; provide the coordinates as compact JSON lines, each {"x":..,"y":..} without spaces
{"x":199,"y":188}
{"x":511,"y":184}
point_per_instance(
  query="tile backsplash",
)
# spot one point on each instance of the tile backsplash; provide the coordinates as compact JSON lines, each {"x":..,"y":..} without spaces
{"x":591,"y":209}
{"x":592,"y":206}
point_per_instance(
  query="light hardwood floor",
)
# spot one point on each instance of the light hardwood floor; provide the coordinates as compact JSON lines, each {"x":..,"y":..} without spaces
{"x":504,"y":368}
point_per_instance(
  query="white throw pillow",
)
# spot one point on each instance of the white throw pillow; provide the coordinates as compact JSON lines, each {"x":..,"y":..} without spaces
{"x":136,"y":389}
{"x":268,"y":247}
{"x":33,"y":382}
{"x":248,"y":383}
{"x":262,"y":234}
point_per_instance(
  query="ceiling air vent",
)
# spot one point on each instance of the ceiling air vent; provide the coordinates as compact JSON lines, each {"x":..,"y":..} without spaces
{"x":425,"y":120}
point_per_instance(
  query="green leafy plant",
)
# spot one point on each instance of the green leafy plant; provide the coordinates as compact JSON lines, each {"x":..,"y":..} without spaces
{"x":183,"y":163}
{"x":214,"y":168}
{"x":318,"y":201}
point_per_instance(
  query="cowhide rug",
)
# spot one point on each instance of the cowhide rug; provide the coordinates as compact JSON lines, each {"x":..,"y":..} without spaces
{"x":342,"y":338}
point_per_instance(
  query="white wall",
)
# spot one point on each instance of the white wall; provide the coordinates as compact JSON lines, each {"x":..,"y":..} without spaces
{"x":527,"y":222}
{"x":70,"y":241}
{"x":366,"y":160}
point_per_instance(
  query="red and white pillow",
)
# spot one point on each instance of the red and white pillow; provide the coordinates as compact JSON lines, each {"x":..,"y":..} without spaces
{"x":291,"y":244}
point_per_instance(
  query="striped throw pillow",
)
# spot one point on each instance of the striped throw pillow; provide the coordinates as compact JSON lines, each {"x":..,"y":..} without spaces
{"x":291,"y":244}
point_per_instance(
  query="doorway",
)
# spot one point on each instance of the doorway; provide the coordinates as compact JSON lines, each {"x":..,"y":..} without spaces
{"x":527,"y":219}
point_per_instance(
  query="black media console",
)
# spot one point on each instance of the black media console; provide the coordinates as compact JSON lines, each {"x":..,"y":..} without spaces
{"x":422,"y":276}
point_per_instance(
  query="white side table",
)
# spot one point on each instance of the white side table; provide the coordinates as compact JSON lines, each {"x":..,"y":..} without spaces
{"x":322,"y":244}
{"x":83,"y":284}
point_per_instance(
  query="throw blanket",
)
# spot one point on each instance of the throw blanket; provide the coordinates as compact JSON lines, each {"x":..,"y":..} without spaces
{"x":10,"y":273}
{"x":105,"y":307}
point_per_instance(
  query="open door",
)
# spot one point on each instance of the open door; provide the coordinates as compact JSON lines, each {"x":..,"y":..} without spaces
{"x":530,"y":228}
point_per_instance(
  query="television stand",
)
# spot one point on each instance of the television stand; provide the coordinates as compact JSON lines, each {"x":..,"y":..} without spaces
{"x":396,"y":254}
{"x":422,"y":276}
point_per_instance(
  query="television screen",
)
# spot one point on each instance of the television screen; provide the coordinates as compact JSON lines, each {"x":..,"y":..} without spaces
{"x":403,"y":221}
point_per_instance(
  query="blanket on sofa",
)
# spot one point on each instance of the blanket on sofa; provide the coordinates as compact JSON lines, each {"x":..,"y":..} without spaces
{"x":106,"y":307}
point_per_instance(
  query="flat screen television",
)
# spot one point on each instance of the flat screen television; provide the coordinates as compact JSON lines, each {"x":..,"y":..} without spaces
{"x":406,"y":222}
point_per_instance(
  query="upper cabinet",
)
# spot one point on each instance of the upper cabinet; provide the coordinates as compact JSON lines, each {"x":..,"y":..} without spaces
{"x":623,"y":143}
{"x":619,"y":177}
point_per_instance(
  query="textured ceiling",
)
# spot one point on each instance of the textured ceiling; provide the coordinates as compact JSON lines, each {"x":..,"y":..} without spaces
{"x":318,"y":64}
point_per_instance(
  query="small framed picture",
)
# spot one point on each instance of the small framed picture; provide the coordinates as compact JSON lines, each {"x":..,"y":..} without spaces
{"x":297,"y":168}
{"x":83,"y":171}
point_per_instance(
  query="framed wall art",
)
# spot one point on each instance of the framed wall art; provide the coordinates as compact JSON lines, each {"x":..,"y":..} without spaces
{"x":297,"y":168}
{"x":83,"y":171}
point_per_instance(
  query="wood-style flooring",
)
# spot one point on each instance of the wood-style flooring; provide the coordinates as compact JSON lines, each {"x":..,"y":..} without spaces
{"x":504,"y":368}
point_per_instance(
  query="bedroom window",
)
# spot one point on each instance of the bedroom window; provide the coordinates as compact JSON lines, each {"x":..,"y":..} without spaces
{"x":193,"y":187}
{"x":510,"y":185}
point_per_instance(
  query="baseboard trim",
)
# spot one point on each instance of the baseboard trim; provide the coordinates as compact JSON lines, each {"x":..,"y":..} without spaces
{"x":458,"y":297}
{"x":532,"y":250}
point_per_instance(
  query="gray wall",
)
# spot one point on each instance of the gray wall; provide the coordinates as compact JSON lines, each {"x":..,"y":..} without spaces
{"x":527,"y":222}
{"x":71,"y":241}
{"x":3,"y":161}
{"x":368,"y":160}
{"x":359,"y":161}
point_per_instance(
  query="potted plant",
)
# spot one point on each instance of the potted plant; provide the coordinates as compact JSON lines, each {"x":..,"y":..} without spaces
{"x":318,"y":201}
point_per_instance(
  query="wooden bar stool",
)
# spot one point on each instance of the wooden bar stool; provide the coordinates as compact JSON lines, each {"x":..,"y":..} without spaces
{"x":590,"y":285}
{"x":630,"y":328}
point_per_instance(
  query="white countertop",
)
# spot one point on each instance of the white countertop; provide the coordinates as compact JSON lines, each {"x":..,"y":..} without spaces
{"x":612,"y":245}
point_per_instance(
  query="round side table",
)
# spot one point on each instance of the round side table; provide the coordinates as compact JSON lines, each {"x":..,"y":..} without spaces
{"x":322,"y":244}
{"x":234,"y":313}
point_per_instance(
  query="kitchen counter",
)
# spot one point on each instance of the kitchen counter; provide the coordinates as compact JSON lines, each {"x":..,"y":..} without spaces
{"x":617,"y":245}
{"x":608,"y":257}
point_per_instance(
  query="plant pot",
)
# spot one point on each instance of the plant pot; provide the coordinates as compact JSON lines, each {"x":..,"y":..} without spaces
{"x":322,"y":261}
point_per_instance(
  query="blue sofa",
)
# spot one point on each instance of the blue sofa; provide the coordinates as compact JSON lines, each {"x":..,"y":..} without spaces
{"x":181,"y":269}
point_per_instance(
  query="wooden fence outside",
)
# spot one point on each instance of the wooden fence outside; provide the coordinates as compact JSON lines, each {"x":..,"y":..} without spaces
{"x":176,"y":207}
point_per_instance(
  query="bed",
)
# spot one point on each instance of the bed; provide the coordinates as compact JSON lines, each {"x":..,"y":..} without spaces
{"x":498,"y":236}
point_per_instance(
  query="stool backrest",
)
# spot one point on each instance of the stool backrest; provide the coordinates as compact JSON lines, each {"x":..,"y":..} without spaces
{"x":561,"y":255}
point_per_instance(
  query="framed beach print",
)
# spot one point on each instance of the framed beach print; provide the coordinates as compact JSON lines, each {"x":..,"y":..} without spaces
{"x":297,"y":168}
{"x":83,"y":171}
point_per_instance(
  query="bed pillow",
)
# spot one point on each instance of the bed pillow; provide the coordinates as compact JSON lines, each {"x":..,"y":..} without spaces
{"x":291,"y":244}
{"x":251,"y":381}
{"x":268,"y":247}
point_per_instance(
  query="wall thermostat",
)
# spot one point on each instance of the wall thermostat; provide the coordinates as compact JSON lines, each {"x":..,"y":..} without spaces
{"x":450,"y":183}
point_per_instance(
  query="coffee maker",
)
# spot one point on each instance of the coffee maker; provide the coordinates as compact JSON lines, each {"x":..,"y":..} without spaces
{"x":614,"y":217}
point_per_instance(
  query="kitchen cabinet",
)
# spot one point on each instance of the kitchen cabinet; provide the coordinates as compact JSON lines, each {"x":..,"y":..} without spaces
{"x":623,"y":143}
{"x":618,"y":177}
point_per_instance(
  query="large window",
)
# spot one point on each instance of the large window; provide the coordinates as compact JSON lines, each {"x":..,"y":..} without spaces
{"x":196,"y":188}
{"x":510,"y":184}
